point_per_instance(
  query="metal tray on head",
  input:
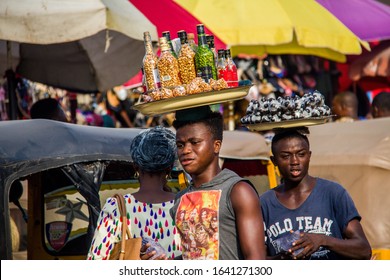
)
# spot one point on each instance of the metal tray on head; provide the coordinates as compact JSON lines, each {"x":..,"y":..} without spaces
{"x":194,"y":100}
{"x":287,"y":124}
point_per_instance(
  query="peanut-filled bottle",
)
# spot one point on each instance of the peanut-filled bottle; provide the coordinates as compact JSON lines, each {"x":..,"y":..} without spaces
{"x":204,"y":56}
{"x":167,"y":35}
{"x":149,"y":65}
{"x":186,"y":59}
{"x":168,"y":66}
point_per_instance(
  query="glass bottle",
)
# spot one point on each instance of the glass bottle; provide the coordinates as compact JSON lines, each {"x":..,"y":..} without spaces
{"x":204,"y":56}
{"x":231,"y":70}
{"x":168,"y":66}
{"x":191,"y":41}
{"x":149,"y":65}
{"x":210,"y":43}
{"x":167,"y":35}
{"x":186,"y":59}
{"x":221,"y":65}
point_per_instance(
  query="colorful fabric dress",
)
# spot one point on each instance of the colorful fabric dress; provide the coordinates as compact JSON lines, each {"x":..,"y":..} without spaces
{"x":144,"y":220}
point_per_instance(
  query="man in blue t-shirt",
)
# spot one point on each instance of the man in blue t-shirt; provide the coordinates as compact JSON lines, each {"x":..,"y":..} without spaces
{"x":307,"y":217}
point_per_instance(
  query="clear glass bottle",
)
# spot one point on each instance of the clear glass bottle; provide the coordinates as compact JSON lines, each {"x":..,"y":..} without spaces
{"x":221,"y":65}
{"x":167,"y":35}
{"x":168,"y":66}
{"x":210,"y":43}
{"x":204,"y":56}
{"x":232,"y":75}
{"x":149,"y":65}
{"x":186,"y":59}
{"x":191,"y":41}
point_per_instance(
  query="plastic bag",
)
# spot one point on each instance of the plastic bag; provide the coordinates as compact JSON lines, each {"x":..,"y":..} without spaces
{"x":154,"y":246}
{"x":285,"y":243}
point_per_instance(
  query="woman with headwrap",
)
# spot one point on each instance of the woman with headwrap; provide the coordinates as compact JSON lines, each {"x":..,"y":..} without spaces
{"x":153,"y":152}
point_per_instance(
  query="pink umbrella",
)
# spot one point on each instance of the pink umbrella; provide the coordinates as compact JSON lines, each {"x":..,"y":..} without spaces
{"x":167,"y":15}
{"x":368,"y":19}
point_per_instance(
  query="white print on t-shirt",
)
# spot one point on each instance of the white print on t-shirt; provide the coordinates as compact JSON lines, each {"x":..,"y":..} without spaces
{"x":305,"y":224}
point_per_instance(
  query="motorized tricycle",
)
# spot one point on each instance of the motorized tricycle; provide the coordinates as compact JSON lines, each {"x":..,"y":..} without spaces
{"x":55,"y":177}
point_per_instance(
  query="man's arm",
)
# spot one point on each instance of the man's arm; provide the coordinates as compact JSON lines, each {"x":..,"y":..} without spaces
{"x":249,"y":221}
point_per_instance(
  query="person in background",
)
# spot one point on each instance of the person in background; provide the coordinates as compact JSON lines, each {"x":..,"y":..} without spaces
{"x":48,"y":108}
{"x":118,"y":103}
{"x":307,"y":217}
{"x":233,"y":200}
{"x":345,"y":107}
{"x":380,"y":107}
{"x":153,"y":152}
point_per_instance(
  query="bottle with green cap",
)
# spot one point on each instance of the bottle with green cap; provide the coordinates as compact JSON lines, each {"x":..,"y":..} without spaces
{"x":210,"y":43}
{"x":204,"y":57}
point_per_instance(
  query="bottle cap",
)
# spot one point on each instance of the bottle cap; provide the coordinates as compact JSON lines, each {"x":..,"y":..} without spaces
{"x":182,"y":36}
{"x":147,"y":35}
{"x":164,"y":44}
{"x":200,"y":28}
{"x":167,"y":35}
{"x":210,"y":40}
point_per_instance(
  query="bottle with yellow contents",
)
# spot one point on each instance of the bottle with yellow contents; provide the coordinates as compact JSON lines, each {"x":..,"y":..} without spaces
{"x":186,"y":59}
{"x":168,"y":66}
{"x":149,"y":65}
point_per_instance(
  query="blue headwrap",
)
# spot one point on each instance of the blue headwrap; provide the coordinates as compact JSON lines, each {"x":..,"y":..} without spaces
{"x":154,"y":150}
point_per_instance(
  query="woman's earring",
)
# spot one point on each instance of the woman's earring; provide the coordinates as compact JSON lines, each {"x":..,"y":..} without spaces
{"x":136,"y":175}
{"x":168,"y":176}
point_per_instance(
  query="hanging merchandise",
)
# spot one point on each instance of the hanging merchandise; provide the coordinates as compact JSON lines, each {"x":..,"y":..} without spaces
{"x":151,"y":75}
{"x":204,"y":56}
{"x":168,"y":66}
{"x":231,"y":70}
{"x":186,"y":59}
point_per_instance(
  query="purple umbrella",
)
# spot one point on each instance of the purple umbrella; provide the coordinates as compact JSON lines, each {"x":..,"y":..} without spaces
{"x":368,"y":19}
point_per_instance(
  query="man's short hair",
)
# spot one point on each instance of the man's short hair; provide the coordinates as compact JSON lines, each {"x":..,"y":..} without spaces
{"x":280,"y":134}
{"x":382,"y":100}
{"x":202,"y":114}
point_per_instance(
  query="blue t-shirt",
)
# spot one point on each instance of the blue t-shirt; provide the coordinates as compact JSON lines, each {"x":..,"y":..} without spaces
{"x":327,"y":210}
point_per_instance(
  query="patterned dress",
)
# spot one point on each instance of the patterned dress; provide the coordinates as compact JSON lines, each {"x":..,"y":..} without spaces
{"x":144,"y":220}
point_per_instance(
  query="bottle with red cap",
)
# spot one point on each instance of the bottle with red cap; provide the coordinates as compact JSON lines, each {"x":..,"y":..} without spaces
{"x":221,"y":65}
{"x":231,"y":70}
